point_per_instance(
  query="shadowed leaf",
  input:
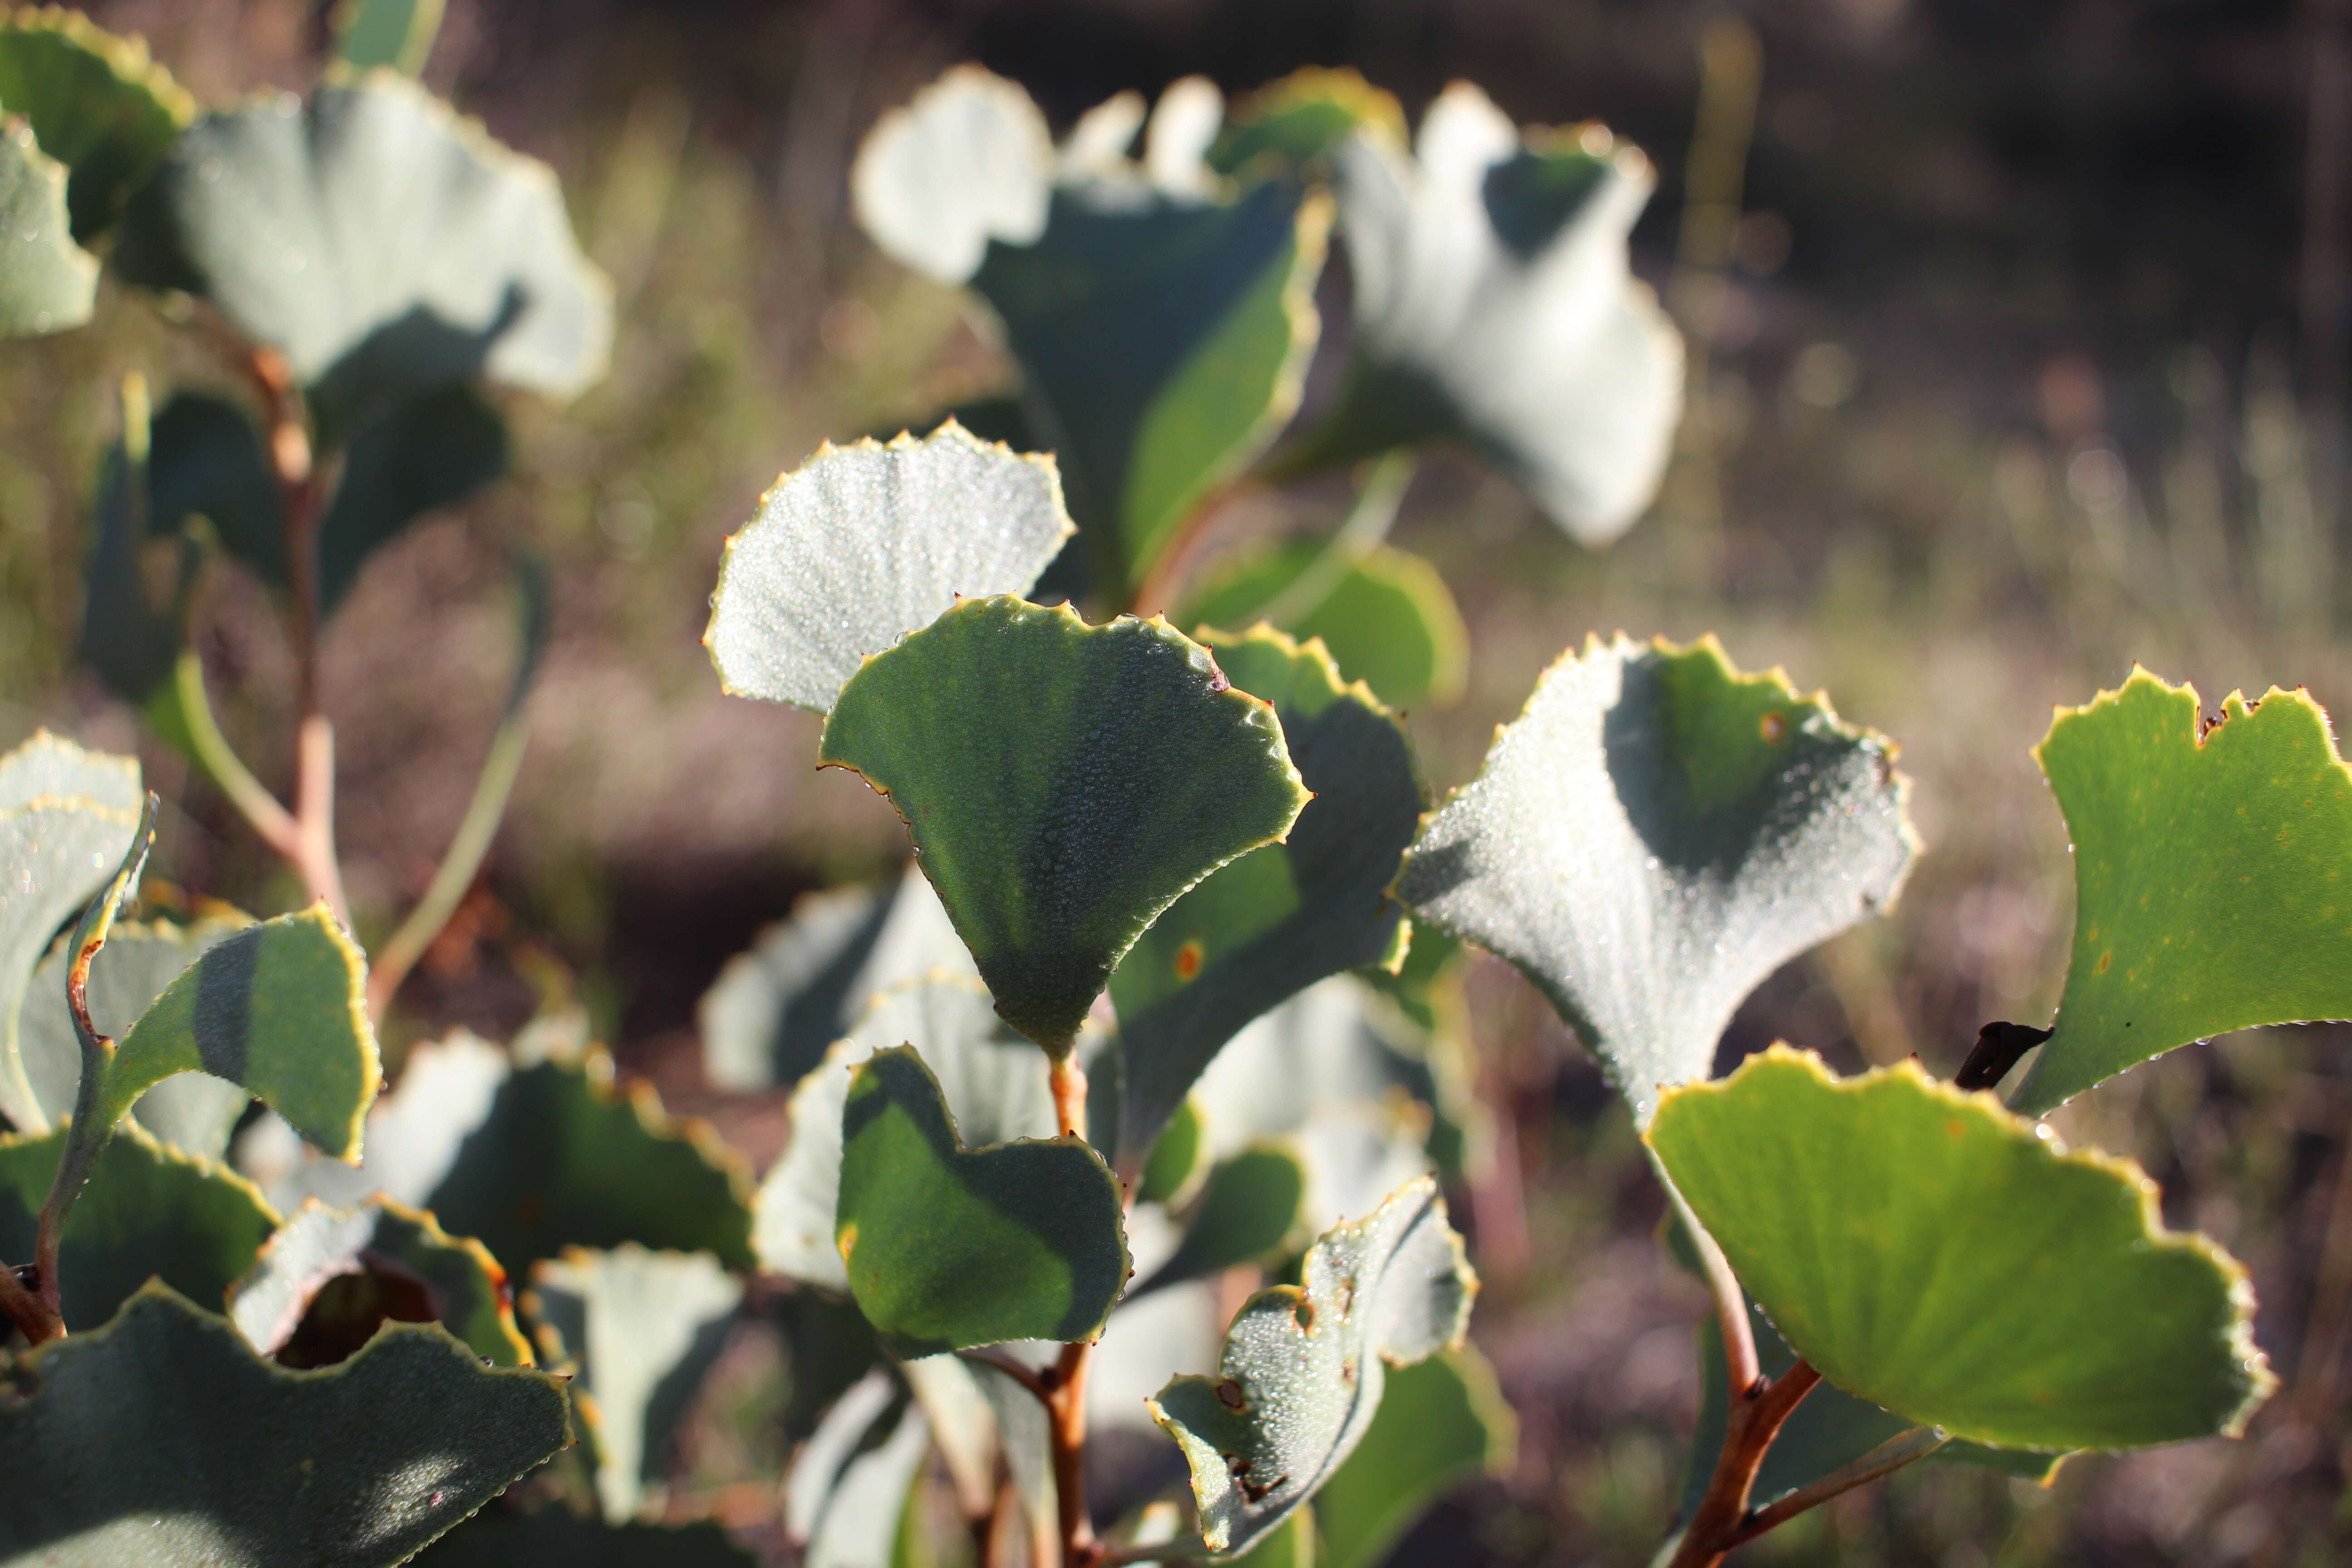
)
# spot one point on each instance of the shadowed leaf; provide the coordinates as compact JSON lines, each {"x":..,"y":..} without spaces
{"x":553,"y":1539}
{"x":1655,"y":834}
{"x":1933,"y":1254}
{"x":1387,"y":619}
{"x":1064,"y":784}
{"x":1440,"y":1422}
{"x":1294,"y":125}
{"x":847,"y":1490}
{"x":48,"y":283}
{"x":99,"y":104}
{"x":1248,"y":1212}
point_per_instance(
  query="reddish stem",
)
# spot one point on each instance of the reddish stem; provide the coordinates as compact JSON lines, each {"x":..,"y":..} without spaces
{"x":1757,"y":1415}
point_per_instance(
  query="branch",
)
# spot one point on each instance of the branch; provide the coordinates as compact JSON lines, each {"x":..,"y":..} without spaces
{"x":1755,"y":1417}
{"x":1889,"y":1456}
{"x":1066,"y":1428}
{"x":1039,"y":1384}
{"x":1742,"y":1368}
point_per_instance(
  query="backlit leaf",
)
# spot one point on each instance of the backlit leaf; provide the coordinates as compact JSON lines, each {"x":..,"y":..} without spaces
{"x":1387,"y":618}
{"x":2210,"y":867}
{"x":1304,"y":1366}
{"x":862,"y":544}
{"x":1655,"y":834}
{"x":1064,"y":784}
{"x":1440,"y":1422}
{"x":395,"y":32}
{"x":947,"y":1246}
{"x":1938,"y":1257}
{"x":98,"y":102}
{"x":969,"y":160}
{"x":1296,"y":123}
{"x":48,"y":283}
{"x":1283,"y":916}
{"x":161,"y":1440}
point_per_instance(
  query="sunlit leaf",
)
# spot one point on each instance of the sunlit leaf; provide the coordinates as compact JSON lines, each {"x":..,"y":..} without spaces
{"x":98,"y":102}
{"x":1387,"y":618}
{"x":1283,"y":916}
{"x":646,"y":1327}
{"x":1933,"y":1254}
{"x":330,"y":1277}
{"x":848,"y":1488}
{"x":162,"y":1440}
{"x":1064,"y":784}
{"x":395,"y":32}
{"x":48,"y":283}
{"x":1655,"y":834}
{"x":1493,"y":302}
{"x":148,"y":1211}
{"x":1162,"y":341}
{"x":2209,"y":876}
{"x":862,"y":544}
{"x":1296,"y":123}
{"x":1248,"y":1212}
{"x":384,"y":246}
{"x":1304,"y":1366}
{"x":1440,"y":1422}
{"x":969,"y":160}
{"x":948,"y":1247}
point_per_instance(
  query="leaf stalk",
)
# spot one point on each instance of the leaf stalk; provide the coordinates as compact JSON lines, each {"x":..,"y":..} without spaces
{"x":1759,"y":1410}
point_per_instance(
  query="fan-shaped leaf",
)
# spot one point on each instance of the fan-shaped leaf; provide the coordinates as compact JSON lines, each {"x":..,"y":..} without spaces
{"x":2209,"y":876}
{"x":1064,"y":784}
{"x":162,"y":1439}
{"x":1654,"y":836}
{"x":48,"y":283}
{"x":1304,"y":1366}
{"x":1286,"y":915}
{"x":98,"y":103}
{"x":967,"y":161}
{"x":1933,"y":1254}
{"x":862,"y":544}
{"x":1387,"y":618}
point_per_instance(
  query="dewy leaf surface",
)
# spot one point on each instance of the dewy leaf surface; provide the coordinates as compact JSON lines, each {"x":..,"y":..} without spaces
{"x":1064,"y":784}
{"x":1304,"y":1366}
{"x":66,"y":817}
{"x":1935,"y":1254}
{"x":384,"y":245}
{"x":646,"y":1327}
{"x":148,"y":1211}
{"x":99,"y":105}
{"x":48,"y":283}
{"x":1493,"y":300}
{"x":161,"y":1441}
{"x":969,"y":160}
{"x":1284,"y":916}
{"x":1654,"y":836}
{"x":995,"y":1089}
{"x":948,"y":1248}
{"x":1163,"y":341}
{"x":2212,"y":876}
{"x":862,"y":544}
{"x":1440,"y":1422}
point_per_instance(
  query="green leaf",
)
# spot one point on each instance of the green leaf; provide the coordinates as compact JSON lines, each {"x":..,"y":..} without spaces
{"x":1290,"y":1544}
{"x":148,"y":1211}
{"x":1440,"y":1422}
{"x":1933,"y":1254}
{"x":1064,"y":784}
{"x":1655,"y":834}
{"x":162,"y":1439}
{"x":1295,"y":125}
{"x":1304,"y":1366}
{"x":330,"y":1277}
{"x":1387,"y":619}
{"x":847,"y":1491}
{"x":194,"y":1113}
{"x":554,"y":1538}
{"x":2207,"y":865}
{"x":141,"y":579}
{"x":1179,"y":1159}
{"x":967,"y":161}
{"x":996,"y":1092}
{"x":1281,"y":917}
{"x":99,"y":104}
{"x":48,"y":283}
{"x":1248,"y":1212}
{"x":862,"y":544}
{"x":384,"y":246}
{"x":946,"y":1246}
{"x":66,"y":817}
{"x":1493,"y":301}
{"x":646,"y":1327}
{"x":1163,"y":341}
{"x":770,"y":1016}
{"x":397,"y":34}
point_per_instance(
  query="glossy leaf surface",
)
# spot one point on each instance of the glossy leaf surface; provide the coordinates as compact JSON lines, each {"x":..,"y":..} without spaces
{"x":48,"y":283}
{"x":148,"y":1211}
{"x":995,"y":1088}
{"x":1442,"y":1422}
{"x":645,"y":1327}
{"x":161,"y":1440}
{"x":1928,"y":1252}
{"x":384,"y":246}
{"x":1654,"y":836}
{"x":1304,"y":1367}
{"x":1387,"y":618}
{"x":1162,"y":341}
{"x":862,"y":544}
{"x":2209,"y":875}
{"x":1286,"y":915}
{"x":948,"y":1248}
{"x":98,"y":103}
{"x":1064,"y":784}
{"x":967,"y":161}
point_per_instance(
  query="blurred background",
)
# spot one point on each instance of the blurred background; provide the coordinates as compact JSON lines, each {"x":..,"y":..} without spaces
{"x":2019,"y":350}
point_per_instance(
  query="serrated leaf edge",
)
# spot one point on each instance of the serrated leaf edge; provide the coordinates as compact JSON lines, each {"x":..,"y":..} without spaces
{"x":125,"y":55}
